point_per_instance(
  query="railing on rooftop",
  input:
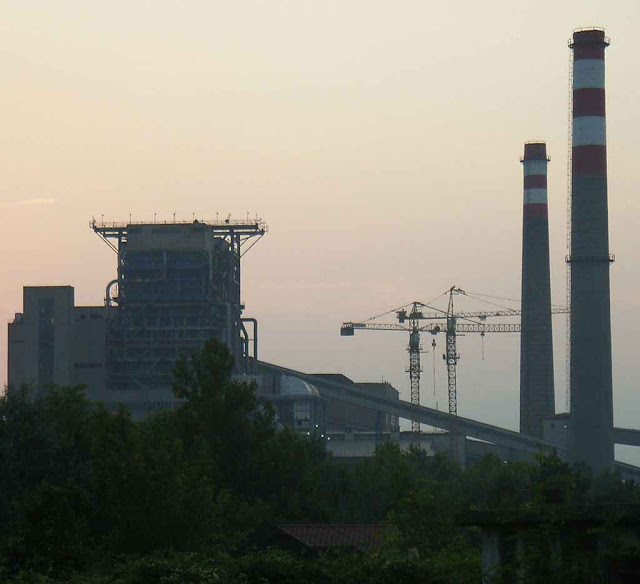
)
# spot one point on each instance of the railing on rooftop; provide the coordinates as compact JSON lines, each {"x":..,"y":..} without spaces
{"x":257,"y":222}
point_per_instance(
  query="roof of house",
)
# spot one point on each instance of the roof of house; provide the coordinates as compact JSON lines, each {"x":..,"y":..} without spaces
{"x":326,"y":535}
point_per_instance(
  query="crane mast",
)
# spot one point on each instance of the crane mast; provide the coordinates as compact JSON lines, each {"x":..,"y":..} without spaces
{"x":451,"y":355}
{"x":414,"y":348}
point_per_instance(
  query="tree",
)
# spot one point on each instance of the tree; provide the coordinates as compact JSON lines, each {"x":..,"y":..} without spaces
{"x":222,"y":425}
{"x":44,"y":460}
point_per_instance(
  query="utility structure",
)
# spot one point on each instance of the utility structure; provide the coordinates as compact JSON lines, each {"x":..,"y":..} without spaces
{"x":412,"y":322}
{"x":177,"y":286}
{"x":591,"y":375}
{"x":537,"y":400}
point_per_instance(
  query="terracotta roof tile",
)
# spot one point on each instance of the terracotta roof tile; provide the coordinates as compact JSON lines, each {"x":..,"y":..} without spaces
{"x":326,"y":535}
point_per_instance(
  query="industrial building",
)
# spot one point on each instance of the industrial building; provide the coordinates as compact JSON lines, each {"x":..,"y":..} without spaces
{"x":177,"y":286}
{"x":341,"y":415}
{"x":54,"y":342}
{"x":301,"y":404}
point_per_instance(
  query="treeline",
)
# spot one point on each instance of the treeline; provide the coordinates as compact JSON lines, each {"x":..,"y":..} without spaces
{"x":193,"y":494}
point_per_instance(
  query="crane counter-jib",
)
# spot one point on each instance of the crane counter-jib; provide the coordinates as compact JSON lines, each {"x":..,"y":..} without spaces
{"x":347,"y":329}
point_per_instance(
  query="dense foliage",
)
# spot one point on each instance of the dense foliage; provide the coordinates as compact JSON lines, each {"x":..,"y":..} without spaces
{"x":189,"y":495}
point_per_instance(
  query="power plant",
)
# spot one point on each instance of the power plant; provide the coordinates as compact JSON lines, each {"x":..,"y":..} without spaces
{"x":177,"y":285}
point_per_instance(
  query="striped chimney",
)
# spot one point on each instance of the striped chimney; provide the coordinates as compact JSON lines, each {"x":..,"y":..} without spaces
{"x":591,"y":383}
{"x":536,"y":343}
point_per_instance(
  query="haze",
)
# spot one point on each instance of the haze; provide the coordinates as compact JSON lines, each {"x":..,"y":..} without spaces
{"x":379,"y":140}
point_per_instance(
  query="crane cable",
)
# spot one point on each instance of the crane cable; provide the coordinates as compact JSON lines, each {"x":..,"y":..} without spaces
{"x":445,"y":313}
{"x":494,"y":297}
{"x":405,"y":306}
{"x":472,"y":295}
{"x":388,"y":312}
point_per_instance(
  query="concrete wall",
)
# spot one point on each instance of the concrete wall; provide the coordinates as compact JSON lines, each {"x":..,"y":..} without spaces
{"x":40,"y":339}
{"x":88,"y":347}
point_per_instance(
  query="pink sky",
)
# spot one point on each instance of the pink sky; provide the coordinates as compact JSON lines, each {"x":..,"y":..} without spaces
{"x":379,"y":140}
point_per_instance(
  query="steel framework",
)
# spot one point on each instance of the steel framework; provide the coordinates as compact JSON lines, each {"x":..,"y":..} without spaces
{"x":178,"y":285}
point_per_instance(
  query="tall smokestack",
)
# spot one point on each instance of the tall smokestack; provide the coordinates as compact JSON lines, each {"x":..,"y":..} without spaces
{"x":591,"y":384}
{"x":536,"y":342}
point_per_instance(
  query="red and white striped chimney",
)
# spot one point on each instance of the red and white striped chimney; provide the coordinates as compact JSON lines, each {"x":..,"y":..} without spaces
{"x":536,"y":341}
{"x":591,"y":374}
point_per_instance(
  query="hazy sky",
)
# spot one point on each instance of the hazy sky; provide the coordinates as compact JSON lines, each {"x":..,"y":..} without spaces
{"x":379,"y":140}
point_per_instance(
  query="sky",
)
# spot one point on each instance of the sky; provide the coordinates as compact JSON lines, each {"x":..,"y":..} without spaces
{"x":379,"y":140}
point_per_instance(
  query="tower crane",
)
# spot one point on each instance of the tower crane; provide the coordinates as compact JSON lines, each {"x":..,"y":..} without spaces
{"x":412,"y":322}
{"x":407,"y":322}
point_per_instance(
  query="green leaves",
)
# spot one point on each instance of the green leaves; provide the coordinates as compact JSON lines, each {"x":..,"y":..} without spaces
{"x":189,"y":494}
{"x":202,"y":377}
